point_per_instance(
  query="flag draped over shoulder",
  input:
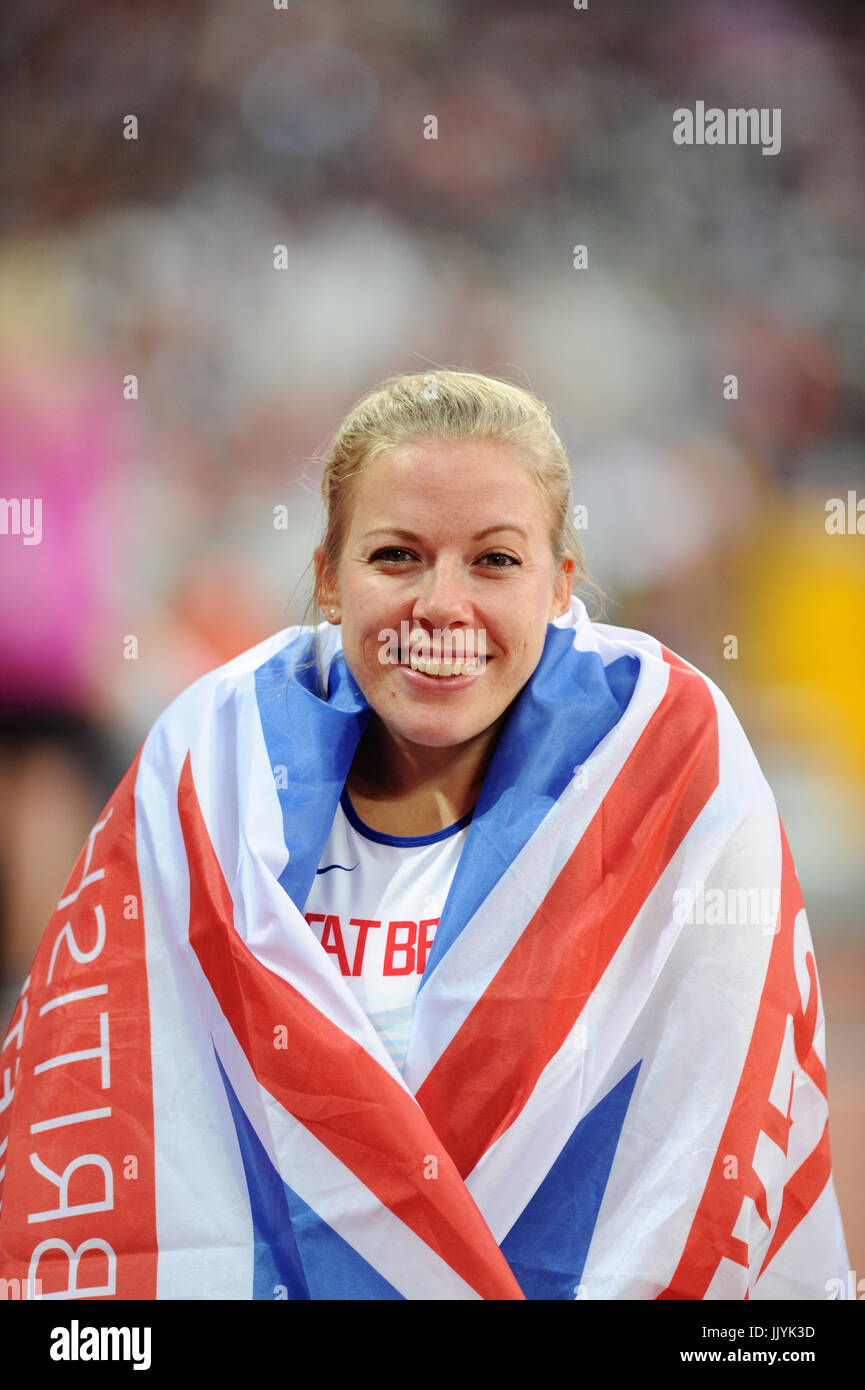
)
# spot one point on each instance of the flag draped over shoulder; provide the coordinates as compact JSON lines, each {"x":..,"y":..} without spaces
{"x":615,"y":1085}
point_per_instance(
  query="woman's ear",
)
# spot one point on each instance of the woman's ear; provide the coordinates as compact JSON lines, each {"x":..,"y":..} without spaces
{"x":564,"y":588}
{"x":325,"y":586}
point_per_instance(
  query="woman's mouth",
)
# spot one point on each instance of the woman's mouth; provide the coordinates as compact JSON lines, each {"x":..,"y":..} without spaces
{"x":444,"y":655}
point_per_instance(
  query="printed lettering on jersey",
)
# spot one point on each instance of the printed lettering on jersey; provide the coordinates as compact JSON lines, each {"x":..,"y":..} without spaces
{"x":406,"y":945}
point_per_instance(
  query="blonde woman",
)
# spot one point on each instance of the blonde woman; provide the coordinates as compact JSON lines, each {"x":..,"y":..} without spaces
{"x":448,"y":947}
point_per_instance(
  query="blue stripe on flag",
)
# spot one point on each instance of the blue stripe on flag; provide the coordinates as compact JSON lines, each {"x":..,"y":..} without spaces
{"x":310,"y":745}
{"x":547,"y":1246}
{"x":295,"y":1250}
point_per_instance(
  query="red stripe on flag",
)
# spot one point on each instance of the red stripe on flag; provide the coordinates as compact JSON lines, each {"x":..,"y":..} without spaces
{"x":86,"y":1119}
{"x":489,"y":1069}
{"x":711,"y":1235}
{"x":334,"y":1088}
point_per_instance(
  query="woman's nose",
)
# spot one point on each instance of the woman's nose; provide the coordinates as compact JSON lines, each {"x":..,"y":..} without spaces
{"x":442,"y":597}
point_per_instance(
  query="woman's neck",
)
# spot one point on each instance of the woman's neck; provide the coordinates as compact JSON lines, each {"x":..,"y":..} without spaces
{"x":405,"y":788}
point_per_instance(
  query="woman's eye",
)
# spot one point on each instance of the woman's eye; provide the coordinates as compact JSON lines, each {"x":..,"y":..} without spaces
{"x":501,"y":555}
{"x":392,"y":553}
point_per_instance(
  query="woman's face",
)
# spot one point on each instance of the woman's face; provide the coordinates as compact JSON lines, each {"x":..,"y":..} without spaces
{"x":448,"y":544}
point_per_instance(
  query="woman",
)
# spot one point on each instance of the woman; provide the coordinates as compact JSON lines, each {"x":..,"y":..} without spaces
{"x":449,"y":949}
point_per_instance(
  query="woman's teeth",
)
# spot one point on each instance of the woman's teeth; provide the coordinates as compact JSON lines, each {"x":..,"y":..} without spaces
{"x":442,"y":668}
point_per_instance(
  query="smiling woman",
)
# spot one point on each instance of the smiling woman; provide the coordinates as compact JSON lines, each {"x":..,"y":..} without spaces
{"x":392,"y":924}
{"x":452,"y":583}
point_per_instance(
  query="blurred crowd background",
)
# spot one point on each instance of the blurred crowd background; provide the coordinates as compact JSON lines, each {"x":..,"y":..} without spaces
{"x":304,"y":127}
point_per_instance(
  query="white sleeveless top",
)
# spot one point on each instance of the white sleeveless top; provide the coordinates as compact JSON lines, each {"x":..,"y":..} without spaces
{"x":375,"y":905}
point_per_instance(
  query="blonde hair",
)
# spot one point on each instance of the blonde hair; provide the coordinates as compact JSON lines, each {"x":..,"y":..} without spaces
{"x":446,"y":404}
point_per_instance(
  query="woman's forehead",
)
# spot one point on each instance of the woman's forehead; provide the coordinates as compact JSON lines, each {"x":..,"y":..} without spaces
{"x":458,"y":453}
{"x":474,"y":476}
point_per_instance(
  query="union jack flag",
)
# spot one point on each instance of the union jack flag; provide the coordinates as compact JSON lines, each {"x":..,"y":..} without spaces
{"x":614,"y":1087}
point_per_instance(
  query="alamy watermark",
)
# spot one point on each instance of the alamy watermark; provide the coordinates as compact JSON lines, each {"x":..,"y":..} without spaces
{"x":736,"y":126}
{"x":853,"y":1288}
{"x":452,"y":651}
{"x":77,"y":1343}
{"x":845,"y":518}
{"x":728,"y":907}
{"x":21,"y":516}
{"x":20,"y":1289}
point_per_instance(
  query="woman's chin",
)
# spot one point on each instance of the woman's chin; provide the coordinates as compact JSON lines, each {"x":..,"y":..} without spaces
{"x":432,"y":729}
{"x":442,"y":735}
